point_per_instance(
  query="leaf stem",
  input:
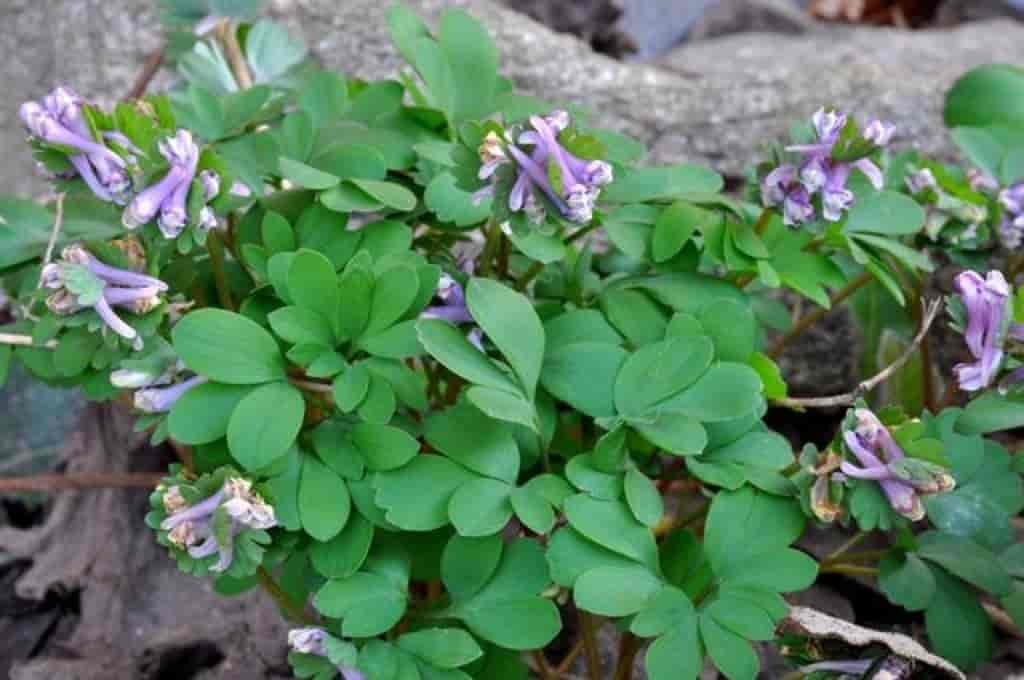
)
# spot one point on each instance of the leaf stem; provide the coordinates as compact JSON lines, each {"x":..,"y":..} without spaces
{"x":542,"y":669}
{"x":927,"y":375}
{"x":848,"y":570}
{"x":291,"y":610}
{"x":149,"y":70}
{"x":227,"y":33}
{"x":567,"y":662}
{"x":216,"y":249}
{"x":590,"y":651}
{"x":629,"y":645}
{"x":845,"y":547}
{"x":818,"y":314}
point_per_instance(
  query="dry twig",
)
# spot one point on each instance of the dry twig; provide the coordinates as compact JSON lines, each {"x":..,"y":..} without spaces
{"x":931,"y":310}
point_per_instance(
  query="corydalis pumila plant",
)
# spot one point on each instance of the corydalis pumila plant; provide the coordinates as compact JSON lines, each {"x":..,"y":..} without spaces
{"x":425,"y":426}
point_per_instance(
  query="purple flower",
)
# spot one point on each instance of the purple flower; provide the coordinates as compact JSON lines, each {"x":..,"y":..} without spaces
{"x":921,"y":180}
{"x":312,"y":641}
{"x":579,"y":181}
{"x":820,"y":173}
{"x":985,"y":301}
{"x":80,"y":281}
{"x":162,"y":399}
{"x":453,"y":302}
{"x":169,"y":196}
{"x":59,"y":121}
{"x":781,"y":187}
{"x":191,"y":527}
{"x":981,"y":181}
{"x":903,"y":480}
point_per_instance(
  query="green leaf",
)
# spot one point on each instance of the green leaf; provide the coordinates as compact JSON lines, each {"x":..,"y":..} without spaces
{"x":451,"y":203}
{"x":201,"y":415}
{"x":442,"y":647}
{"x":906,"y":581}
{"x":270,"y":51}
{"x":583,"y":473}
{"x":384,"y":447}
{"x":741,"y":616}
{"x":675,"y":655}
{"x":479,"y":443}
{"x":508,"y":610}
{"x":611,"y":525}
{"x":437,"y":75}
{"x":570,"y":554}
{"x":265,"y":424}
{"x":25,"y":227}
{"x":380,"y":403}
{"x":745,"y":525}
{"x":991,"y":412}
{"x":406,"y":29}
{"x":481,"y":507}
{"x":643,"y":498}
{"x":724,"y":392}
{"x":658,"y":371}
{"x":533,"y":510}
{"x":732,"y":328}
{"x":636,"y":185}
{"x":503,"y":405}
{"x":615,"y":591}
{"x":343,"y":555}
{"x":306,"y":176}
{"x":674,"y":227}
{"x":473,"y":60}
{"x":510,"y":322}
{"x":448,"y":345}
{"x":324,"y":501}
{"x":731,"y":653}
{"x":966,"y":559}
{"x":958,"y":627}
{"x":351,"y":387}
{"x":669,"y":608}
{"x":393,"y":293}
{"x":885,"y":212}
{"x":467,"y":564}
{"x":986,"y":95}
{"x":388,"y":193}
{"x":301,"y":326}
{"x":677,"y":434}
{"x":582,"y":374}
{"x":369,"y":603}
{"x":415,"y":497}
{"x":208,"y":341}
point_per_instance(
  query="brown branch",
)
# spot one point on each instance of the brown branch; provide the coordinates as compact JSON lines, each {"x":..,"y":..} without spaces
{"x":228,"y":36}
{"x":293,"y":611}
{"x":149,"y":70}
{"x":818,"y":314}
{"x":849,"y":398}
{"x":81,"y":480}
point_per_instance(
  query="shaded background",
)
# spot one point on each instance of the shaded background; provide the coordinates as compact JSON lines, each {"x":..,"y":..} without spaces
{"x":84,"y":591}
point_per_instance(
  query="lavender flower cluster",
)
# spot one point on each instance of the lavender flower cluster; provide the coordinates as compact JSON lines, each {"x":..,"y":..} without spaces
{"x":793,"y":186}
{"x":579,"y":181}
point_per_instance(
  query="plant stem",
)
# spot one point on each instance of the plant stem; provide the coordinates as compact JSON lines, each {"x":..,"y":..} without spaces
{"x":848,"y":569}
{"x":567,"y":662}
{"x":818,"y":314}
{"x":220,"y":279}
{"x":322,"y":388}
{"x":291,"y":610}
{"x":81,"y":480}
{"x":228,"y":35}
{"x":149,"y":70}
{"x":543,"y":669}
{"x":24,"y":341}
{"x":927,"y":375}
{"x":590,"y":645}
{"x":852,"y":542}
{"x":629,"y":645}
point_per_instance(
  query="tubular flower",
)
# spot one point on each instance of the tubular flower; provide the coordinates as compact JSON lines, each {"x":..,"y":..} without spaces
{"x":58,"y":121}
{"x":169,"y":196}
{"x":1011,"y":229}
{"x":820,"y":173}
{"x":191,"y":527}
{"x":903,"y":480}
{"x":80,"y":281}
{"x":162,"y":399}
{"x":985,"y":302}
{"x":312,"y":641}
{"x":544,"y":165}
{"x":452,"y":304}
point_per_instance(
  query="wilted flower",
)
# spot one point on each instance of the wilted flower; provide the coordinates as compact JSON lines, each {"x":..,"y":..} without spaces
{"x":169,"y":196}
{"x":81,"y":281}
{"x":985,"y":302}
{"x":903,"y":480}
{"x":578,"y":182}
{"x":819,"y":173}
{"x":191,"y":528}
{"x":312,"y":641}
{"x":821,"y":502}
{"x":59,"y":121}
